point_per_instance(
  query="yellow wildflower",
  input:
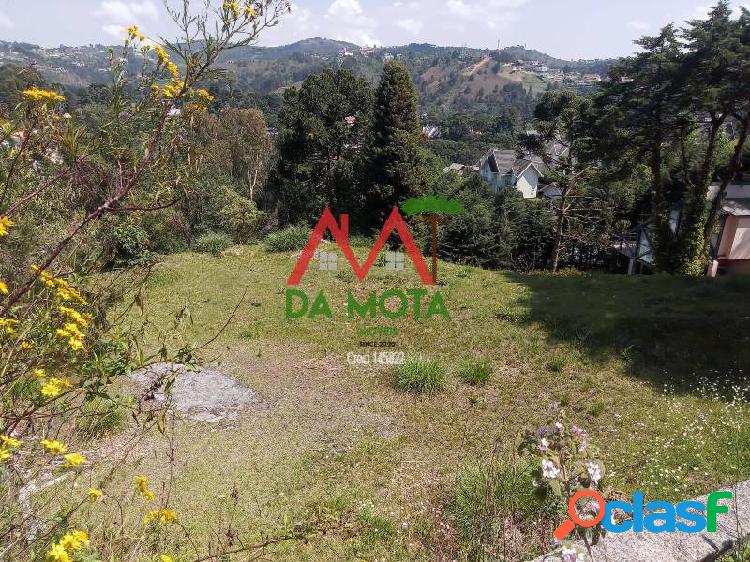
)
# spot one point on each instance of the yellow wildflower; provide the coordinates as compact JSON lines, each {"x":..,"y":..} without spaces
{"x":51,"y":389}
{"x":39,"y":373}
{"x":94,"y":494}
{"x":250,"y":12}
{"x":53,"y":447}
{"x":74,"y":315}
{"x":7,"y":325}
{"x":141,"y":482}
{"x":74,"y":541}
{"x":5,"y":224}
{"x":3,"y":288}
{"x":172,"y":69}
{"x":74,"y":459}
{"x":27,"y":344}
{"x":173,"y":89}
{"x":75,"y":345}
{"x":233,"y":7}
{"x":163,"y":516}
{"x":58,"y":554}
{"x":46,"y":278}
{"x":9,"y":441}
{"x":149,"y":496}
{"x":134,"y":33}
{"x":165,"y":558}
{"x":204,"y":94}
{"x":42,"y":96}
{"x":5,"y":454}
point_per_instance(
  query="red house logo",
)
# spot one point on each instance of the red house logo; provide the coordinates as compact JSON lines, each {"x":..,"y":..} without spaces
{"x":340,"y":234}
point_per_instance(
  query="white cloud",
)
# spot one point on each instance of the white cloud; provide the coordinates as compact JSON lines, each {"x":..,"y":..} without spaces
{"x":117,"y":15}
{"x":459,"y":8}
{"x":348,"y":22}
{"x":115,"y":30}
{"x":345,"y":8}
{"x":411,"y":25}
{"x":125,"y":12}
{"x":5,"y":21}
{"x":639,"y":25}
{"x":494,"y":14}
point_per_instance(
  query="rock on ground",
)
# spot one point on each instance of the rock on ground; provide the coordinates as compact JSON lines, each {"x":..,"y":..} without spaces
{"x":202,"y":394}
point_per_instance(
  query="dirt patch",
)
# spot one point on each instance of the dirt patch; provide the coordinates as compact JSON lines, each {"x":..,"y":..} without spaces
{"x":200,"y":394}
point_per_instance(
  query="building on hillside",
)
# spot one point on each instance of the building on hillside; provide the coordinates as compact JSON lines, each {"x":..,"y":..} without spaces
{"x":431,"y":132}
{"x":730,"y":247}
{"x":459,"y":169}
{"x":503,"y":169}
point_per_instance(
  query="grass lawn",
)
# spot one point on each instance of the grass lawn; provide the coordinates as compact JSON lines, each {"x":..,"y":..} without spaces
{"x":635,"y":361}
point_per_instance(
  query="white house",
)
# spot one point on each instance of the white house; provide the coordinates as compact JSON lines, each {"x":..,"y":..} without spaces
{"x":502,"y":169}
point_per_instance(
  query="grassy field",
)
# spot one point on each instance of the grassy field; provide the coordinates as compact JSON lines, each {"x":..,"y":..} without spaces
{"x":644,"y":364}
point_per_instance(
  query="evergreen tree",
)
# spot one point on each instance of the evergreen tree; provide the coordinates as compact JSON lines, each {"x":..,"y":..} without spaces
{"x":323,"y":127}
{"x":396,"y":162}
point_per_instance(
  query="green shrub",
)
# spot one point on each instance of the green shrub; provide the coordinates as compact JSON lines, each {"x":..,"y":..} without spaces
{"x":289,"y":239}
{"x":498,"y":512}
{"x":103,"y":416}
{"x":213,"y":243}
{"x":557,"y":363}
{"x":240,"y":216}
{"x":477,"y":373}
{"x":422,"y":375}
{"x":128,"y":245}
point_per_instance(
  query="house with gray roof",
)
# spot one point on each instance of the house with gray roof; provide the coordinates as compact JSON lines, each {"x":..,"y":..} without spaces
{"x":504,"y":169}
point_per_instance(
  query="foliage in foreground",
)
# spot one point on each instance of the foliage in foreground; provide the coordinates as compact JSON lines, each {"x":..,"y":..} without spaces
{"x":422,"y":375}
{"x":64,"y":353}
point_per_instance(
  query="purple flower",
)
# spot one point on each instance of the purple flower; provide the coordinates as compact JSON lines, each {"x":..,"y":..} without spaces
{"x":568,"y":555}
{"x":543,"y":445}
{"x":595,"y":472}
{"x":549,"y":469}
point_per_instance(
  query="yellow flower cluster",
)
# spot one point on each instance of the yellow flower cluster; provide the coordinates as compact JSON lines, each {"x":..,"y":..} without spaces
{"x":141,"y":483}
{"x":6,"y":326}
{"x":163,"y":516}
{"x":5,"y":224}
{"x":73,"y":460}
{"x":166,"y":62}
{"x":201,"y":93}
{"x":42,"y":96}
{"x":7,"y":444}
{"x":53,"y":447}
{"x":174,"y":88}
{"x":133,"y":33}
{"x":69,"y":544}
{"x":55,"y":386}
{"x":63,"y":288}
{"x":82,"y":319}
{"x":236,"y":10}
{"x":71,"y":330}
{"x":94,"y":494}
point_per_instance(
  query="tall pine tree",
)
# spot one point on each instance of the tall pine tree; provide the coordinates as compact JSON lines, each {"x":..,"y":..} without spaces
{"x":396,"y":164}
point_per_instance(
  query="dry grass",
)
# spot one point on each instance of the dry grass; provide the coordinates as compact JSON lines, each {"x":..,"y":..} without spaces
{"x":346,"y":440}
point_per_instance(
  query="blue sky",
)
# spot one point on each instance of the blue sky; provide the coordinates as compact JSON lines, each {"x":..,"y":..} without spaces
{"x":567,"y":29}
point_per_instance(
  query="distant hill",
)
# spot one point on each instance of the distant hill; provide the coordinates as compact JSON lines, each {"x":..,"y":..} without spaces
{"x":316,"y":46}
{"x":448,"y":78}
